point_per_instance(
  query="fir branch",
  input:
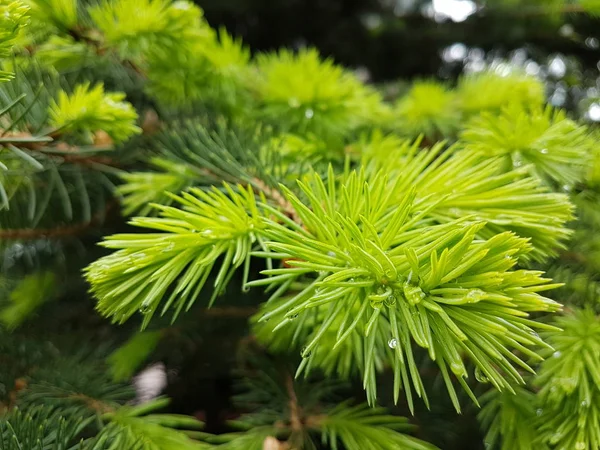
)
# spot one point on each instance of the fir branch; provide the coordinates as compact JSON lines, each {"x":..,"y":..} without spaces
{"x":381,"y":276}
{"x":58,"y":232}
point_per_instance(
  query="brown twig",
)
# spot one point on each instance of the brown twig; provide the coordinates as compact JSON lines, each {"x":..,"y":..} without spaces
{"x":57,"y":232}
{"x":69,"y":152}
{"x":230,"y":311}
{"x":295,"y":412}
{"x":93,"y":403}
{"x":279,"y":200}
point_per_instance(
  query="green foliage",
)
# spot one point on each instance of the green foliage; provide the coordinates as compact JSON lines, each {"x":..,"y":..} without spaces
{"x":302,"y":93}
{"x":76,"y":387}
{"x":570,"y":384}
{"x":463,"y":184}
{"x":210,"y":225}
{"x":61,"y":14}
{"x":14,"y":15}
{"x":127,"y":359}
{"x":131,"y":427}
{"x":31,"y":292}
{"x":429,"y":109}
{"x":141,"y":189}
{"x":557,"y":148}
{"x":490,"y":91}
{"x":89,"y":109}
{"x":509,"y":419}
{"x":380,"y":253}
{"x":590,"y":6}
{"x":163,"y":24}
{"x":382,"y":272}
{"x":362,"y":427}
{"x":62,"y":52}
{"x":302,"y":413}
{"x":39,"y":171}
{"x":579,"y":266}
{"x":205,"y":69}
{"x":39,"y":429}
{"x":372,"y":253}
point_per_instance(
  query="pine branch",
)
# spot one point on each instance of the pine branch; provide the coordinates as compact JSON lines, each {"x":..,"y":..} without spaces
{"x":60,"y":231}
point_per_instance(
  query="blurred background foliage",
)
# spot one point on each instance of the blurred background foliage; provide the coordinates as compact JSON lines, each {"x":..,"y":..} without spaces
{"x":388,"y":42}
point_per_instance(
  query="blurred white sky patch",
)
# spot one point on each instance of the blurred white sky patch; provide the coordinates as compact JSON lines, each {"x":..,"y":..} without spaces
{"x":455,"y":10}
{"x":150,"y":382}
{"x":593,"y":112}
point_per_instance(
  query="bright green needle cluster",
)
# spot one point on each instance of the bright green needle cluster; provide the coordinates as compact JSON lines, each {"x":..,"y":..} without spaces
{"x":62,"y":14}
{"x":89,"y":109}
{"x":136,"y":28}
{"x":463,"y":184}
{"x":376,"y":260}
{"x":141,"y":189}
{"x":558,"y":149}
{"x":490,"y":91}
{"x":383,"y":273}
{"x":303,"y":93}
{"x":26,"y":297}
{"x":430,"y":109}
{"x":181,"y":254}
{"x":132,"y":427}
{"x":570,"y":384}
{"x":14,"y":15}
{"x":510,"y":419}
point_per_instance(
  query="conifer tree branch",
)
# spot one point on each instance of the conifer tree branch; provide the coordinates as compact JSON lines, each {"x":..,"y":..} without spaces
{"x":59,"y":231}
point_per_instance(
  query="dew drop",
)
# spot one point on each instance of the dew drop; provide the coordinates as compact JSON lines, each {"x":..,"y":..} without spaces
{"x":534,"y":333}
{"x":544,"y":151}
{"x":376,"y":304}
{"x":390,"y":300}
{"x":458,"y":369}
{"x":474,"y":295}
{"x":580,"y":445}
{"x":309,"y":113}
{"x":208,"y":233}
{"x":556,"y":354}
{"x":304,"y":353}
{"x":480,"y":376}
{"x":332,"y":254}
{"x":585,"y":403}
{"x":292,"y":316}
{"x":169,"y":247}
{"x":566,"y":188}
{"x":539,"y":412}
{"x":413,"y":294}
{"x":555,"y":438}
{"x":145,"y":308}
{"x":393,"y":343}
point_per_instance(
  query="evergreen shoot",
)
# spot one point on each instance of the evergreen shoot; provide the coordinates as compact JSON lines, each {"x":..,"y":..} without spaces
{"x":377,"y":257}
